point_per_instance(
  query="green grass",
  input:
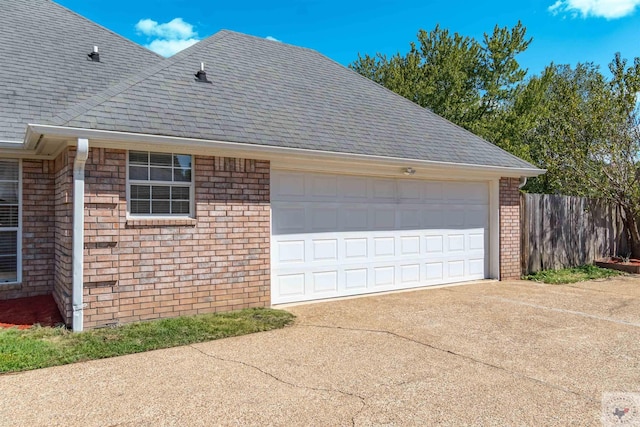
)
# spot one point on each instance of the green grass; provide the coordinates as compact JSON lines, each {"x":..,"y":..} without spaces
{"x":573,"y":275}
{"x":39,"y":347}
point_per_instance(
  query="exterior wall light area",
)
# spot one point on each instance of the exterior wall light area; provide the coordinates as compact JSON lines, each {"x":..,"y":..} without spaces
{"x":409,"y":171}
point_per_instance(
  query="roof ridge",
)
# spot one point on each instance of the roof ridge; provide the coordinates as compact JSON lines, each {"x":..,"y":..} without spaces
{"x":80,"y":108}
{"x":120,"y":36}
{"x":264,"y":39}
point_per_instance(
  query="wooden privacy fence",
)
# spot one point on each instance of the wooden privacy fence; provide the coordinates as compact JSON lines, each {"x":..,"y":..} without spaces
{"x":565,"y":231}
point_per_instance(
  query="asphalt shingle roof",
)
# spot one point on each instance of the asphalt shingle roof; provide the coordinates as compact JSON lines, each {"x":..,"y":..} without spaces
{"x":269,"y":93}
{"x":44,"y":66}
{"x":260,"y":92}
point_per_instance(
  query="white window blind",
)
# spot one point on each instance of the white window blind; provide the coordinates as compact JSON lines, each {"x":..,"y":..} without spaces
{"x":9,"y":220}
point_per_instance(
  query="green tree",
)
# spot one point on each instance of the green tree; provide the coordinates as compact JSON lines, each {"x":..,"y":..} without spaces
{"x":587,"y":136}
{"x":471,"y":83}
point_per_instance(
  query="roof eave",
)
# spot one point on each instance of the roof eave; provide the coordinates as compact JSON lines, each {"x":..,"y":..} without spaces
{"x":123,"y":140}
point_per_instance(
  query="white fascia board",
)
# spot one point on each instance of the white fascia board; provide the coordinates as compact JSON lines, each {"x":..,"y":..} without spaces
{"x":281,"y":157}
{"x":11,"y":144}
{"x":20,"y":153}
{"x":11,"y":147}
{"x":19,"y":150}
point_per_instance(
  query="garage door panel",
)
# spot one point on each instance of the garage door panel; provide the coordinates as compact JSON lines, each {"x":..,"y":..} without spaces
{"x":323,"y":187}
{"x":325,"y":281}
{"x":433,"y":217}
{"x":455,"y":218}
{"x":455,"y":269}
{"x":323,"y":218}
{"x":356,"y":248}
{"x":476,"y":267}
{"x":410,"y":219}
{"x":289,"y":219}
{"x":470,"y":193}
{"x":383,"y":247}
{"x":478,"y":193}
{"x":476,"y":241}
{"x":455,"y":243}
{"x":411,"y":191}
{"x":434,"y":244}
{"x":384,"y":276}
{"x":354,"y":189}
{"x":433,"y":192}
{"x":356,"y":278}
{"x":476,"y":217}
{"x":409,"y":274}
{"x":290,"y":285}
{"x":325,"y":250}
{"x":384,"y":190}
{"x":409,"y":245}
{"x":290,"y":251}
{"x":352,"y":235}
{"x":434,"y":271}
{"x":384,"y":217}
{"x":354,"y":218}
{"x":289,"y":186}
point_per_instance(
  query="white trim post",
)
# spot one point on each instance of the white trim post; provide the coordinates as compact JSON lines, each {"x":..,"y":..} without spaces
{"x":82,"y":153}
{"x":494,"y":229}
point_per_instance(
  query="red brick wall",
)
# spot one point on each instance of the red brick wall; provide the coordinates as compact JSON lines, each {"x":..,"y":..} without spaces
{"x":37,"y":231}
{"x":63,"y":221}
{"x":509,"y":229}
{"x":145,"y":269}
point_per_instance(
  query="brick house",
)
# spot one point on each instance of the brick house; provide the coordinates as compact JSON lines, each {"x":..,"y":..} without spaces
{"x":241,"y":172}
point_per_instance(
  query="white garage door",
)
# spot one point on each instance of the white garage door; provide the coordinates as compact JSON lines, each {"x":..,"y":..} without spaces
{"x":338,"y":235}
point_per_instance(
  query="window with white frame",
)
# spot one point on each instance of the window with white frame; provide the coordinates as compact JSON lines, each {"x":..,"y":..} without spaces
{"x":160,"y":184}
{"x":9,"y":220}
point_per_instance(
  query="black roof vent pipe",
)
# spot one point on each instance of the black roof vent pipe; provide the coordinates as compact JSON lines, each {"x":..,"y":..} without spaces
{"x":94,"y":56}
{"x":201,"y":76}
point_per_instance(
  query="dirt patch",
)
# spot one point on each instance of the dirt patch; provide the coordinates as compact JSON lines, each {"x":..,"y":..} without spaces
{"x":26,"y":312}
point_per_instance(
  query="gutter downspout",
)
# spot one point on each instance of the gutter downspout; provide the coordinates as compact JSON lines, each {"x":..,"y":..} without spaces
{"x":82,"y":154}
{"x":523,"y":182}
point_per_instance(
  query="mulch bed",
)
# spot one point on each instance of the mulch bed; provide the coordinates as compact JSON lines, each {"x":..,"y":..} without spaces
{"x":26,"y":312}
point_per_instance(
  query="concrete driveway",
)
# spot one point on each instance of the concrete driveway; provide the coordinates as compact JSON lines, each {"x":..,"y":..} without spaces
{"x":510,"y":353}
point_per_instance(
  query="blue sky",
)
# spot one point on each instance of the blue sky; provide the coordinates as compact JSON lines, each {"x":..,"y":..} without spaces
{"x":563,"y":31}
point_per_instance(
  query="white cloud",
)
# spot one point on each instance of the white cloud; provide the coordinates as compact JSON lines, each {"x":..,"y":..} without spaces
{"x":174,"y":29}
{"x":168,"y":38}
{"x":608,"y":9}
{"x":168,"y":48}
{"x":273,"y":39}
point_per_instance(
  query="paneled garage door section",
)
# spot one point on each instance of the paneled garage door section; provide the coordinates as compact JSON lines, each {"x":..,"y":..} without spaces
{"x":335,"y":235}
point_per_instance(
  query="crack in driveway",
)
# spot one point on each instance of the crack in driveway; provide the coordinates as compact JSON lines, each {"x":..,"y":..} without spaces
{"x":280,"y":380}
{"x":453,"y":353}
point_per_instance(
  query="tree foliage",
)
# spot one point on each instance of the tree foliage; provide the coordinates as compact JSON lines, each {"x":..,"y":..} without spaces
{"x":470,"y":82}
{"x":587,"y":136}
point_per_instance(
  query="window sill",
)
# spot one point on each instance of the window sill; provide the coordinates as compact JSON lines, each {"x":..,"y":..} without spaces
{"x":161,"y":222}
